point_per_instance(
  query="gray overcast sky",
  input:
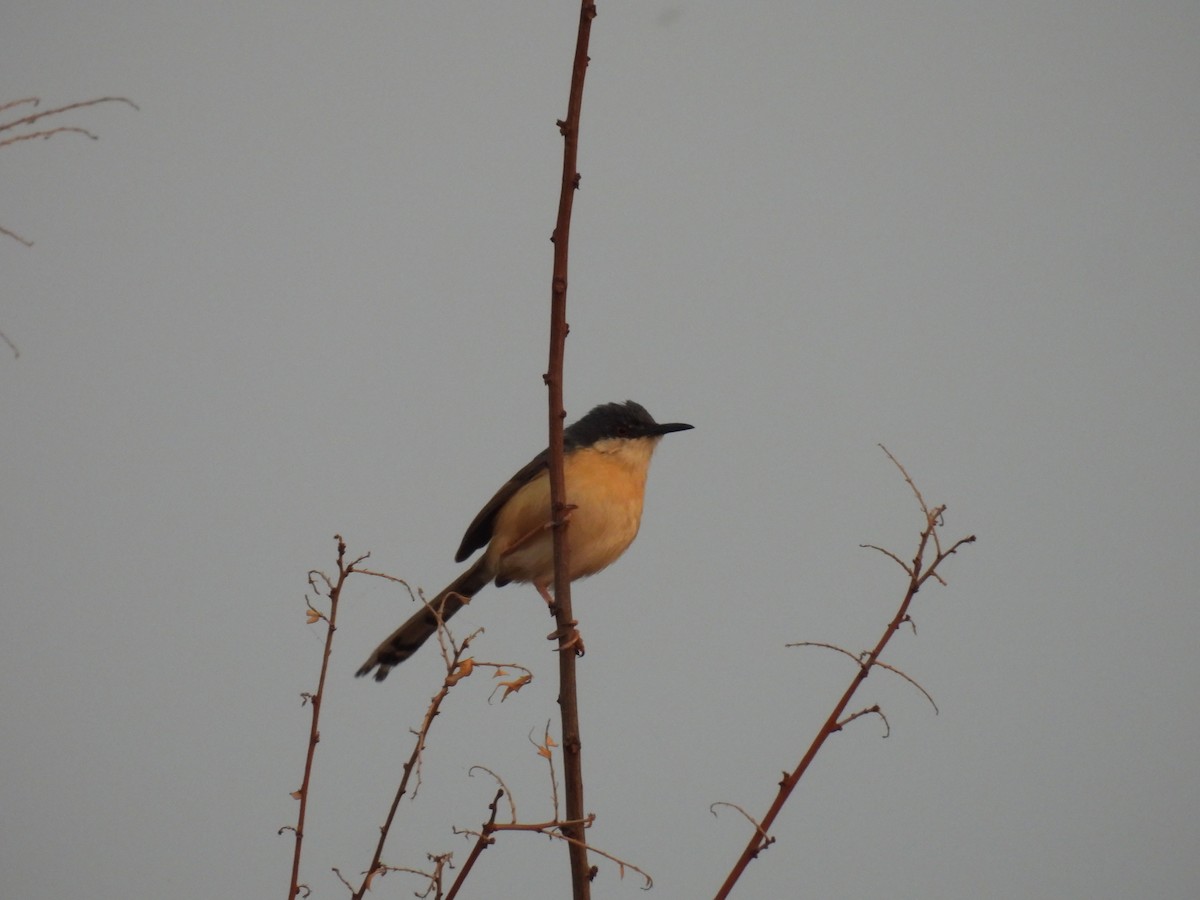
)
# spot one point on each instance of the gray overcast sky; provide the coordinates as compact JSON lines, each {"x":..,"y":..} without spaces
{"x":305,"y":289}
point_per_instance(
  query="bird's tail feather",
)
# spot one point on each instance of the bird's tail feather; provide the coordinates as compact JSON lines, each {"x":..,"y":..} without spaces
{"x":407,"y":639}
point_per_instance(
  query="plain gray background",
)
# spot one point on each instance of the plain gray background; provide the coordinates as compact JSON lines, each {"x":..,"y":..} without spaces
{"x":305,"y":291}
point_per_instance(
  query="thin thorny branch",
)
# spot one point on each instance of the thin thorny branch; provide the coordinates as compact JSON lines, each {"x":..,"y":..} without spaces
{"x":333,"y":590}
{"x":43,"y":133}
{"x":485,"y":840}
{"x":858,"y":658}
{"x":568,"y":696}
{"x":546,"y":750}
{"x":763,"y":836}
{"x":867,"y":711}
{"x":58,"y":110}
{"x":918,"y":573}
{"x":512,"y":802}
{"x":458,"y":667}
{"x":557,"y":828}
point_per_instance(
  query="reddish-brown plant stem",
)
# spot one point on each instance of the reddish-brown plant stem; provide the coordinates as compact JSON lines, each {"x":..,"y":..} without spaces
{"x":484,"y":841}
{"x":919,"y":573}
{"x":453,"y":675}
{"x":572,"y":743}
{"x":334,"y":592}
{"x":58,"y":110}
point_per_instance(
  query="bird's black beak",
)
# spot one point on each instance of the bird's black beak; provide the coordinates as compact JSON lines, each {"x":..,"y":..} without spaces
{"x":667,"y":428}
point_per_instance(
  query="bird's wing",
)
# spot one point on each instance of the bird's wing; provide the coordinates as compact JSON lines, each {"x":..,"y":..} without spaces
{"x":479,"y":532}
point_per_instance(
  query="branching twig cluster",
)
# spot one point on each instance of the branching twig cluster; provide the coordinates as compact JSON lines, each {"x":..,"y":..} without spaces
{"x":12,"y":125}
{"x":510,"y":678}
{"x":458,"y":667}
{"x":559,"y":828}
{"x":919,"y":571}
{"x":8,"y":139}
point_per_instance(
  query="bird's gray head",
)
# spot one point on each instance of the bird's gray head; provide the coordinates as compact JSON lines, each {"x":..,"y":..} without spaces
{"x":627,"y":420}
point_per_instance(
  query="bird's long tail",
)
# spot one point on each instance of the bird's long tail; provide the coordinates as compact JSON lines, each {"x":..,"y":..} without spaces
{"x":407,"y":639}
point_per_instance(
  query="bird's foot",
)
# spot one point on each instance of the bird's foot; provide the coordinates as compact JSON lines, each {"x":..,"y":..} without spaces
{"x":568,"y":638}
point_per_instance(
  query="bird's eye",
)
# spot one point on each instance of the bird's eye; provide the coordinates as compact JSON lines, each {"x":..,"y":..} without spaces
{"x":622,"y":431}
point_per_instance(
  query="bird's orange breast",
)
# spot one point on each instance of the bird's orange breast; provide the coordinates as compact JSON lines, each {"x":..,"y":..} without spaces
{"x":605,"y":484}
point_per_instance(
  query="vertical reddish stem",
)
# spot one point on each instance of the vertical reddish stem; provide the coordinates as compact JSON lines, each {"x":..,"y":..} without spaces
{"x":572,"y":743}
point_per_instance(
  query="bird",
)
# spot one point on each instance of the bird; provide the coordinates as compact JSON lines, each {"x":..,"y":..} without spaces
{"x":606,"y":456}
